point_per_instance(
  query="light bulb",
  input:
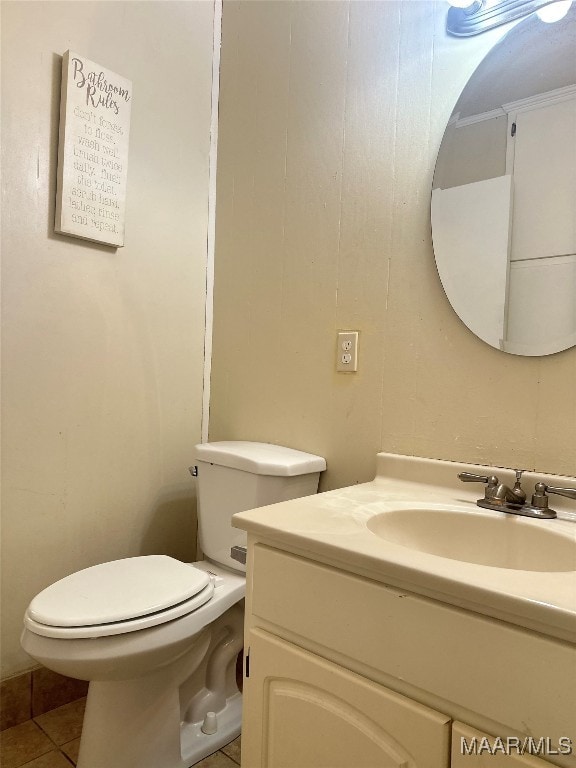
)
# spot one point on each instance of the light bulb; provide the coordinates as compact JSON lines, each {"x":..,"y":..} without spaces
{"x":554,"y":11}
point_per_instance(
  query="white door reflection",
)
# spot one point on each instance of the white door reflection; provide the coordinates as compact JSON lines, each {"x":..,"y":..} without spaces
{"x":504,"y":196}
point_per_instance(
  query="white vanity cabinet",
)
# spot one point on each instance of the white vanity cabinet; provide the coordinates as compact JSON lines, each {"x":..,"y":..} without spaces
{"x":344,"y":671}
{"x":302,"y":711}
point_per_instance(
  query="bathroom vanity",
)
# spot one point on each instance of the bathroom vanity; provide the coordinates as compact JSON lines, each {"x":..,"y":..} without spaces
{"x":370,"y":644}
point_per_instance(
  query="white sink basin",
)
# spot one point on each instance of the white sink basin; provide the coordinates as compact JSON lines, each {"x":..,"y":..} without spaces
{"x":500,"y":540}
{"x":417,"y":528}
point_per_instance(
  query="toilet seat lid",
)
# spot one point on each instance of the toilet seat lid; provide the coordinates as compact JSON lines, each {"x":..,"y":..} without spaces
{"x":117,"y":591}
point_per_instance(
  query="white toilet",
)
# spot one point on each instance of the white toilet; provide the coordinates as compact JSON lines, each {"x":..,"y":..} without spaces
{"x":158,"y":639}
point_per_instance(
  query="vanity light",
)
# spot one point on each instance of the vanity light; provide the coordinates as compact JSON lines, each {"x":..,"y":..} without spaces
{"x":554,"y":12}
{"x":466,"y":18}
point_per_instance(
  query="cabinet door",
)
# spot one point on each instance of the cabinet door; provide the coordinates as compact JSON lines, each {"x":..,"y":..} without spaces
{"x":301,"y":711}
{"x":473,"y":749}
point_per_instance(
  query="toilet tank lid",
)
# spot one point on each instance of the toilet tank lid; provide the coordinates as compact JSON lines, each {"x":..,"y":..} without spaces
{"x":260,"y":458}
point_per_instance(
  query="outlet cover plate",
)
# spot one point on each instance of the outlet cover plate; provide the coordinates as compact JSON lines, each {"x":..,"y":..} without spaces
{"x":347,"y":351}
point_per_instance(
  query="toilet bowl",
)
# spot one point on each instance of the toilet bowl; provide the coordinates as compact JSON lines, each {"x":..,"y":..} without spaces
{"x":158,"y":639}
{"x":139,"y":678}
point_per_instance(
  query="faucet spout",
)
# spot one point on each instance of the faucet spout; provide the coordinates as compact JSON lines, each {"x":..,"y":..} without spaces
{"x":504,"y":494}
{"x":515,"y":495}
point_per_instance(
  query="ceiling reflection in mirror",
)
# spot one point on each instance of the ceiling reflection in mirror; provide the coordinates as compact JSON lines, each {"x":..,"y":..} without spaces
{"x":504,"y":193}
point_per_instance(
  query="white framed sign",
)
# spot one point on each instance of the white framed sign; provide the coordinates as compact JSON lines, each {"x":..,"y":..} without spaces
{"x":92,"y":151}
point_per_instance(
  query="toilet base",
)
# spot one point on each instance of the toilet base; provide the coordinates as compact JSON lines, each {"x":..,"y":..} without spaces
{"x":152,"y":741}
{"x":155,"y":721}
{"x":196,"y":745}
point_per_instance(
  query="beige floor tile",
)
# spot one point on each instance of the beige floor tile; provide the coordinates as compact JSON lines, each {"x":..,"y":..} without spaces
{"x":65,"y":723}
{"x":50,"y":690}
{"x":71,"y":749}
{"x":23,"y":743}
{"x":233,"y":750}
{"x":217,"y":760}
{"x":15,"y":700}
{"x":50,"y":760}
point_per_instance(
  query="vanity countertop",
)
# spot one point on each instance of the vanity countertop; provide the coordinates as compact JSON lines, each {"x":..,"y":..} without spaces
{"x":332,"y":528}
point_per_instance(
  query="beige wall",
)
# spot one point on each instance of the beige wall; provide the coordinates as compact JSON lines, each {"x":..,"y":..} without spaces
{"x":331,"y":115}
{"x":102,"y":348}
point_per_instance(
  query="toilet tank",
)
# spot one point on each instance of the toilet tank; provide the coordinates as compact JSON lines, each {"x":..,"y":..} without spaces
{"x":234,"y":476}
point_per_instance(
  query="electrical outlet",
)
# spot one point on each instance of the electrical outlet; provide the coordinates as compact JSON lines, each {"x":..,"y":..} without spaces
{"x":347,"y":351}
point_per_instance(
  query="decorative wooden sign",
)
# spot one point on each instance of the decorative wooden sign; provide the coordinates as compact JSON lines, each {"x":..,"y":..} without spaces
{"x":93,"y":151}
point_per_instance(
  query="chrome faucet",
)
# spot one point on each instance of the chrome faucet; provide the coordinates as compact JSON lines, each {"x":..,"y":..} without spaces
{"x":513,"y":500}
{"x":497,"y":495}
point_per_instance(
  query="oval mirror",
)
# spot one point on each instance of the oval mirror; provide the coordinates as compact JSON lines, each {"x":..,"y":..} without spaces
{"x":504,"y":193}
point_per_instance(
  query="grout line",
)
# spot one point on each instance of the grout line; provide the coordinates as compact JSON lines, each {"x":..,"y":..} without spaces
{"x":58,"y":748}
{"x":45,"y":732}
{"x":23,"y":765}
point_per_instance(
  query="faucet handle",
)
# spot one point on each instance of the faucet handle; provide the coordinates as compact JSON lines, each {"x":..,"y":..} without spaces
{"x":491,"y":481}
{"x":570,"y":493}
{"x":540,"y":499}
{"x":470,"y":477}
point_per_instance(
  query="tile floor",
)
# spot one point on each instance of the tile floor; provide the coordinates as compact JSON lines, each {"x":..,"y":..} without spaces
{"x":52,"y":740}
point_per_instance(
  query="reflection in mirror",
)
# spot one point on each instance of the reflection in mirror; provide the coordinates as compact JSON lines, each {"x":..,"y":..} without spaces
{"x":504,"y":193}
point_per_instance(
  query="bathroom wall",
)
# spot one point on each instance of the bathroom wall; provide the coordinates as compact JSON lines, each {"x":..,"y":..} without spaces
{"x":331,"y":115}
{"x":102,"y":348}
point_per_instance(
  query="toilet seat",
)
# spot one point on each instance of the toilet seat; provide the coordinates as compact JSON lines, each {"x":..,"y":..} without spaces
{"x":119,"y":597}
